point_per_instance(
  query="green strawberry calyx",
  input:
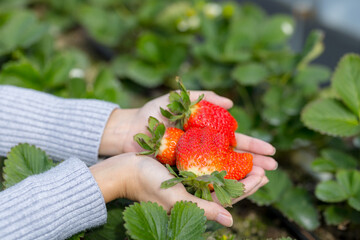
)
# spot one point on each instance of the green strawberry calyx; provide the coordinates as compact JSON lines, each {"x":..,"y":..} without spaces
{"x":180,"y":105}
{"x":225,"y":189}
{"x":151,"y":144}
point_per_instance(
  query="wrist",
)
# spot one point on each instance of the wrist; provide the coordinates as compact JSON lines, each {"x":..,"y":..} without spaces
{"x":114,"y":174}
{"x":115,"y":132}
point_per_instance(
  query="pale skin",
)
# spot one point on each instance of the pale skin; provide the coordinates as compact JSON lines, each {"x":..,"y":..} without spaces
{"x":128,"y":175}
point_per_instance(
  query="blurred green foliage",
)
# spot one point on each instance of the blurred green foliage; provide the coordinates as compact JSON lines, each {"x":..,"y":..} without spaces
{"x":128,"y":51}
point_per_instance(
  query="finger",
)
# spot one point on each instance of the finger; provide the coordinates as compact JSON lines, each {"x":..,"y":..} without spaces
{"x":263,"y":181}
{"x":253,"y":145}
{"x":256,"y":171}
{"x":267,"y":163}
{"x":213,"y":98}
{"x":213,"y":211}
{"x":250,"y":183}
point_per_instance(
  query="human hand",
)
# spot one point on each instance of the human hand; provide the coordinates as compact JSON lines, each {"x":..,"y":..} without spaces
{"x":125,"y":123}
{"x":139,"y":178}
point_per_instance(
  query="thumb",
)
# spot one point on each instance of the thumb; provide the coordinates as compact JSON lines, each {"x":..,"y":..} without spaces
{"x":213,"y":211}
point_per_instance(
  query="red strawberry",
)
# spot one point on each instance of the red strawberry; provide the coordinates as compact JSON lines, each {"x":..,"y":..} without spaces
{"x":201,"y":113}
{"x":162,"y":142}
{"x":201,"y":151}
{"x":206,"y":114}
{"x":238,"y":165}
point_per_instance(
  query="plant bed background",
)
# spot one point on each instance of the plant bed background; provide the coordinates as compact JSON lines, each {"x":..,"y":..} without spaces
{"x":278,"y":76}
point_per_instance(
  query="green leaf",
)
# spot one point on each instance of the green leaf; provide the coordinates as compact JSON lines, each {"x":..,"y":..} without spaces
{"x":187,"y":221}
{"x":149,"y":47}
{"x":250,"y":74}
{"x":296,"y":205}
{"x":243,"y":119}
{"x":146,"y":221}
{"x":310,"y":77}
{"x":340,"y":159}
{"x":354,"y":201}
{"x":22,"y":74}
{"x":335,"y":215}
{"x":153,"y":123}
{"x":223,"y":196}
{"x":144,"y":141}
{"x":276,"y":30}
{"x":330,"y":191}
{"x":21,"y":29}
{"x":113,"y":229}
{"x":107,"y":87}
{"x":107,"y":26}
{"x":22,"y":161}
{"x":328,"y":116}
{"x":346,"y":81}
{"x":323,"y":165}
{"x":145,"y":74}
{"x":171,"y":182}
{"x":349,"y":180}
{"x":77,"y":236}
{"x":279,"y":183}
{"x":77,"y":88}
{"x":314,"y":46}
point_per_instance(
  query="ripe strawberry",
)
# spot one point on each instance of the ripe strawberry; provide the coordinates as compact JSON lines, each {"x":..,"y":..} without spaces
{"x":238,"y":165}
{"x":201,"y":113}
{"x":162,"y":142}
{"x":201,"y":151}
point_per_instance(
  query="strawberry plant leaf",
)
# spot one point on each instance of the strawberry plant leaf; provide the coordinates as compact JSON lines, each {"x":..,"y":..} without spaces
{"x":152,"y":123}
{"x":165,"y":113}
{"x":187,"y":221}
{"x":174,"y":97}
{"x":171,"y":182}
{"x":187,"y":174}
{"x":295,"y":204}
{"x":171,"y":170}
{"x":113,"y":229}
{"x":335,"y":215}
{"x":22,"y":74}
{"x":323,"y":165}
{"x":250,"y":74}
{"x":279,"y":183}
{"x":310,"y":77}
{"x":346,"y":82}
{"x":22,"y":161}
{"x":176,"y":107}
{"x":314,"y":46}
{"x":146,"y":221}
{"x":330,"y":191}
{"x":160,"y":131}
{"x":223,"y":196}
{"x":234,"y":188}
{"x":77,"y":236}
{"x":340,"y":159}
{"x":328,"y":116}
{"x":20,"y":29}
{"x":144,"y":141}
{"x":349,"y":180}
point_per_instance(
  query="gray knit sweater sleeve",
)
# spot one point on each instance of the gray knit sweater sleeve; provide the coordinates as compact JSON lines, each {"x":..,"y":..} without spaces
{"x":61,"y":127}
{"x":52,"y":205}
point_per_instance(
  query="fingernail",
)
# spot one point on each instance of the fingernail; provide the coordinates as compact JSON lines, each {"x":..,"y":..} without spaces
{"x":225,"y":219}
{"x":276,"y":166}
{"x":274,"y":151}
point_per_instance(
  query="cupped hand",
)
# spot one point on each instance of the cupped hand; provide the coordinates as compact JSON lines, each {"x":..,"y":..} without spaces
{"x":139,"y":178}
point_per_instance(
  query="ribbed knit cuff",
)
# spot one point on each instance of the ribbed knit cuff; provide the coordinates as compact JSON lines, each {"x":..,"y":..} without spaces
{"x":53,"y":205}
{"x":61,"y":127}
